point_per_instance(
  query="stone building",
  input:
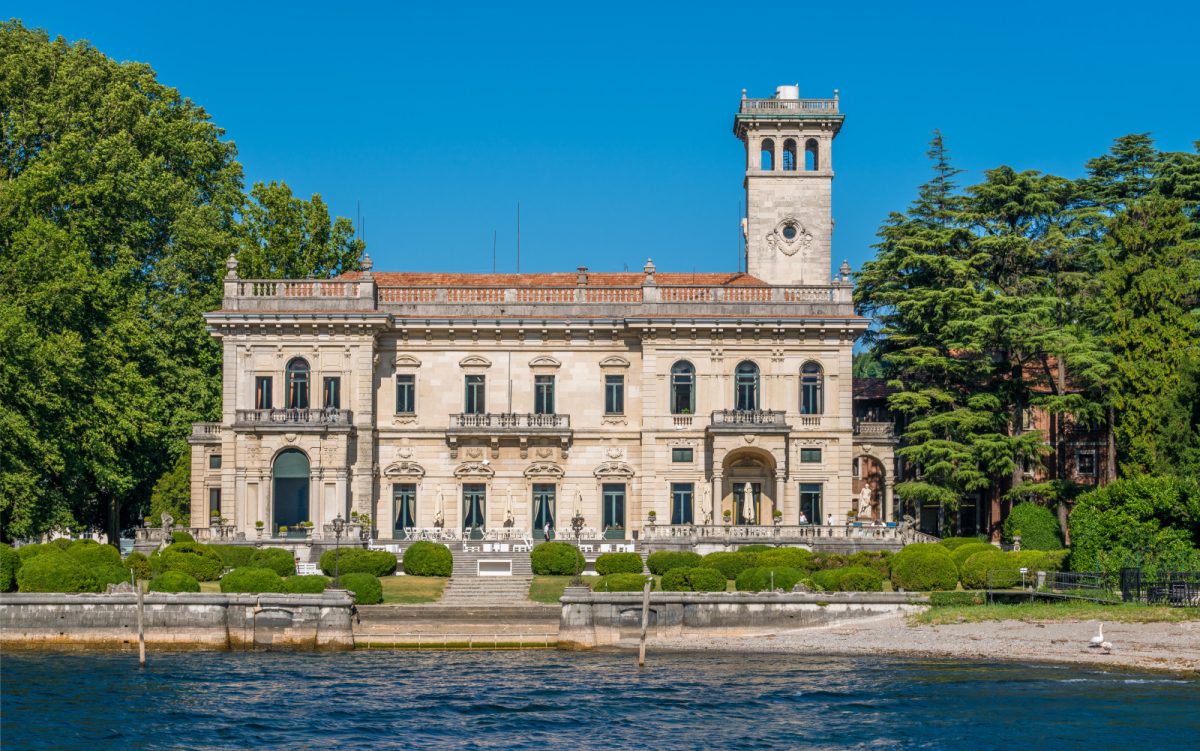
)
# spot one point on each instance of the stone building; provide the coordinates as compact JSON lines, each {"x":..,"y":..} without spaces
{"x":483,"y":402}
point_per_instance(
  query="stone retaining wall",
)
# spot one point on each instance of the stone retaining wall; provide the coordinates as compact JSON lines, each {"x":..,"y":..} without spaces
{"x":177,"y":621}
{"x":592,"y":620}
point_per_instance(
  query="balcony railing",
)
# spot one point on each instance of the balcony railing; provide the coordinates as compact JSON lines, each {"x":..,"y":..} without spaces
{"x":780,"y":533}
{"x":875,"y":429}
{"x":290,"y":418}
{"x":206,"y":432}
{"x":510,"y":421}
{"x":800,"y":106}
{"x":586,"y":295}
{"x":748,"y":419}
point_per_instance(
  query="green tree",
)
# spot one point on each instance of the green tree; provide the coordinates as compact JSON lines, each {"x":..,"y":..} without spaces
{"x":285,"y":237}
{"x":172,"y":492}
{"x":1179,"y":439}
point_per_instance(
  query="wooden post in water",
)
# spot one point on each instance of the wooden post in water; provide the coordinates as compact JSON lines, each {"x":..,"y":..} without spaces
{"x":141,"y":616}
{"x":645,"y":622}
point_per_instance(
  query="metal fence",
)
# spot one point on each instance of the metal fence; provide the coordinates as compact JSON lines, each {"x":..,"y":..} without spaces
{"x":1174,"y":588}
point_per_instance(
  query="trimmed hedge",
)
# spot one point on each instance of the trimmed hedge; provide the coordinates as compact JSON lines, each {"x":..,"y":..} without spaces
{"x":954,"y":543}
{"x":859,"y":579}
{"x":10,"y":563}
{"x":362,"y":561}
{"x":234,"y":556}
{"x":618,"y":563}
{"x":252,"y":580}
{"x":556,"y":559}
{"x":662,"y":561}
{"x":426,"y":558}
{"x":761,"y":578}
{"x":200,"y":562}
{"x":797,"y":558}
{"x":823,"y":561}
{"x":924,"y":567}
{"x":696,"y":579}
{"x":755,"y":548}
{"x":311,"y":584}
{"x":174,"y":581}
{"x":880,"y":561}
{"x":962,"y":553}
{"x":624,"y":582}
{"x":1002,"y":565}
{"x":55,"y":573}
{"x":109,"y":573}
{"x":138,"y":564}
{"x":366,"y":588}
{"x":955,"y":599}
{"x":1037,"y":524}
{"x":729,"y":564}
{"x":38,"y":548}
{"x":277,"y":559}
{"x":178,"y":536}
{"x":91,"y":554}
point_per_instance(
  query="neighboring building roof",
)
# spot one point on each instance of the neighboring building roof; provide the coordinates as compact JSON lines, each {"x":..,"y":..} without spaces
{"x":563,"y":279}
{"x":872,"y":388}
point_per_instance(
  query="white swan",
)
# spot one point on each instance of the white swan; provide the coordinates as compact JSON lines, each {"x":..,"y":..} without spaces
{"x":1098,"y":639}
{"x":1106,"y":646}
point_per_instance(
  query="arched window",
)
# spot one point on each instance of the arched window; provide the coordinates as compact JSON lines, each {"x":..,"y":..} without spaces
{"x":683,"y":388}
{"x":745,"y":386}
{"x":767,"y":158}
{"x":812,"y":389}
{"x":789,"y":155}
{"x":297,"y":384}
{"x":290,"y":503}
{"x":812,"y":161}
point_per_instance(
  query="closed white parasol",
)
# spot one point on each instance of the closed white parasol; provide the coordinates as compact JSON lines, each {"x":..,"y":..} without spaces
{"x":748,"y":504}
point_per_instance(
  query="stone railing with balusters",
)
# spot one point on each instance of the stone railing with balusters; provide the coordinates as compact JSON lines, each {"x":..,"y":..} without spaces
{"x":294,"y":418}
{"x":874,"y":429}
{"x":789,"y":106}
{"x":779,"y":533}
{"x":749,"y":419}
{"x":510,"y":421}
{"x":205,"y":432}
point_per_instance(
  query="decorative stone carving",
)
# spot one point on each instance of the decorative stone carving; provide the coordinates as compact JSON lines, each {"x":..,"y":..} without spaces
{"x":614,"y":361}
{"x":544,"y":470}
{"x":615,"y":453}
{"x":474,"y":469}
{"x":404,"y":452}
{"x":544,"y":452}
{"x":406,"y":361}
{"x":545,"y":361}
{"x":404,"y":469}
{"x":790,"y":236}
{"x":474,"y":453}
{"x":474,"y":361}
{"x":617,"y":470}
{"x":681,"y":442}
{"x":614,"y":420}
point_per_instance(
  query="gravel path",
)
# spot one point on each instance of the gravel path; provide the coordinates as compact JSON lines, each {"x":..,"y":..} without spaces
{"x":1156,"y":646}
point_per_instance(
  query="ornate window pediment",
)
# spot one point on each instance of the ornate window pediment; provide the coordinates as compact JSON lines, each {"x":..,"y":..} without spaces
{"x":404,"y":469}
{"x":614,"y":361}
{"x":544,"y":469}
{"x":474,"y":361}
{"x":614,"y":469}
{"x":545,"y":361}
{"x":474,"y":469}
{"x":406,"y":361}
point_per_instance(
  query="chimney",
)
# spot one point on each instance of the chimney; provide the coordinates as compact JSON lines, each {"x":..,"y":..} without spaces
{"x":581,"y":279}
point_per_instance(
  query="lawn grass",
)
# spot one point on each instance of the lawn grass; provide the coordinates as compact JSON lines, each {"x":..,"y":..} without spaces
{"x":411,"y":590}
{"x":1056,"y":611}
{"x":210,"y":586}
{"x":547,"y":589}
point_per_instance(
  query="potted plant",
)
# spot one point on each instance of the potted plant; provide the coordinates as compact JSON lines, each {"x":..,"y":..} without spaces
{"x":727,"y":515}
{"x":778,"y":516}
{"x":214,"y":519}
{"x":258,"y":528}
{"x":652,"y":515}
{"x":1017,"y":539}
{"x":308,"y":529}
{"x":283,"y":530}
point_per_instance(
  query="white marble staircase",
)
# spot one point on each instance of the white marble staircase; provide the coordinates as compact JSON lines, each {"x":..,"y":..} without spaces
{"x":467,"y":587}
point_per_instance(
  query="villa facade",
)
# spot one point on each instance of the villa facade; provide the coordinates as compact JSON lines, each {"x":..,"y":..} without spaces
{"x":476,"y":402}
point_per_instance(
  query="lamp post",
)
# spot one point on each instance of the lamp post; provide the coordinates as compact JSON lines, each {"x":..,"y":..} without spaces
{"x":339,"y":526}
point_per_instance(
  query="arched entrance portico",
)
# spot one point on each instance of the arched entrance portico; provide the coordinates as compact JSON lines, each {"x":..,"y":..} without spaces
{"x":290,"y":503}
{"x":748,"y":487}
{"x":871,"y":489}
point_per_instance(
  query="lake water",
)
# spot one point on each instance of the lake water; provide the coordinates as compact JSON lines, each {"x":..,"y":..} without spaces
{"x":542,"y":700}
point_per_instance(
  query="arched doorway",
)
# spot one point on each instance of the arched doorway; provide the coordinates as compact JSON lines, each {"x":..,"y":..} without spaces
{"x":290,"y":473}
{"x":869,"y":484}
{"x":749,"y":491}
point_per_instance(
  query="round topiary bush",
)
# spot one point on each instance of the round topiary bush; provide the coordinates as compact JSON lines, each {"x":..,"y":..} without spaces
{"x":62,"y":543}
{"x":311,"y":584}
{"x":200,"y":562}
{"x":55,"y":573}
{"x":178,"y":536}
{"x":963,"y":552}
{"x":924,"y":567}
{"x":362,"y":561}
{"x":138,"y":564}
{"x":859,"y":579}
{"x":1037,"y":526}
{"x":797,"y":558}
{"x":428,"y":559}
{"x":618,"y":563}
{"x":235,"y":556}
{"x":174,"y":581}
{"x":366,"y":588}
{"x":10,"y":563}
{"x":662,"y":561}
{"x":25,"y":552}
{"x":556,"y":559}
{"x":756,"y":548}
{"x":696,"y":579}
{"x":277,"y":559}
{"x":1003,"y":568}
{"x":954,"y":543}
{"x":729,"y":564}
{"x":252,"y":580}
{"x":763,"y":578}
{"x":110,"y":573}
{"x":623,"y":582}
{"x":824,"y":561}
{"x":827,"y":579}
{"x":91,"y":554}
{"x":880,"y":560}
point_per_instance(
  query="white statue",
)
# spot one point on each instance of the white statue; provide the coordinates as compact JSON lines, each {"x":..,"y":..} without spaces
{"x":867,"y":507}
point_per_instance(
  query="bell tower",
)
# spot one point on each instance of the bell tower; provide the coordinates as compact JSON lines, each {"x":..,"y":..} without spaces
{"x":789,"y":178}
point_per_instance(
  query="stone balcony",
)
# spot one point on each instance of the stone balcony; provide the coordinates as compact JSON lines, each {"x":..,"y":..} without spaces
{"x":294,"y":420}
{"x":494,"y":426}
{"x":774,"y":106}
{"x":875,"y":431}
{"x":749,"y":421}
{"x":205,"y":432}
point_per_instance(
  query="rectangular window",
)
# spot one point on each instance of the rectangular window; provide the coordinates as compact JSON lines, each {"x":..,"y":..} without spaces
{"x":474,"y":510}
{"x":473,"y":398}
{"x":682,"y":455}
{"x":613,"y":499}
{"x":810,"y":456}
{"x":332,"y":392}
{"x":614,"y":395}
{"x":1085,"y":463}
{"x":543,"y":395}
{"x":682,"y":494}
{"x":262,"y":392}
{"x":214,"y":502}
{"x":214,"y":461}
{"x":406,"y":394}
{"x":404,"y":505}
{"x":543,"y":511}
{"x":810,"y":503}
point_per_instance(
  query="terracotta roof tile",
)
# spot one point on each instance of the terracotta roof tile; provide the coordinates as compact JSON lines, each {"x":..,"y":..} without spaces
{"x":568,"y":279}
{"x":871,"y":388}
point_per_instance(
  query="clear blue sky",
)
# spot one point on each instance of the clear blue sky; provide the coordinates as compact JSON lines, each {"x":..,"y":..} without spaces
{"x":611,"y":122}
